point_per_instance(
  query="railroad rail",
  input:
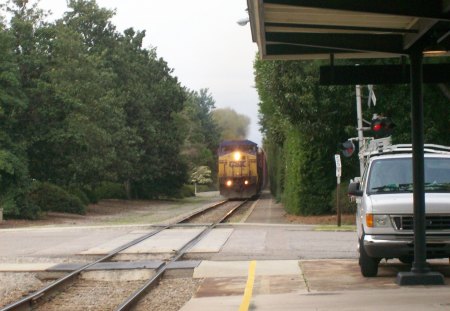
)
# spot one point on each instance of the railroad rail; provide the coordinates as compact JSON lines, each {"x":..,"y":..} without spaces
{"x":28,"y":302}
{"x":134,"y":298}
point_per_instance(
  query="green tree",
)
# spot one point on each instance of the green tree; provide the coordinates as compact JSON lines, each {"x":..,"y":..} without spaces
{"x":200,"y":175}
{"x":231,"y":124}
{"x":14,"y":177}
{"x":202,"y":134}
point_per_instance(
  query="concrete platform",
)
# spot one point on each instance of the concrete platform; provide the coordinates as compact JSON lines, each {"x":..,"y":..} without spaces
{"x":314,"y":285}
{"x":287,"y":284}
{"x":415,"y":299}
{"x":26,"y":267}
{"x":217,"y":269}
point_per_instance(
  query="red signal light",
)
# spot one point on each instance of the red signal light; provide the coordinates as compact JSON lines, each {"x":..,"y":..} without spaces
{"x":382,"y":127}
{"x":377,"y":127}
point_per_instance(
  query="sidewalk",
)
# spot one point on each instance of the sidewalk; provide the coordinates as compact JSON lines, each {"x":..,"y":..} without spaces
{"x":287,"y":285}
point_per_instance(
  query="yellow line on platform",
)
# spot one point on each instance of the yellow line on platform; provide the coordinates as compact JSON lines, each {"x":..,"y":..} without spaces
{"x":249,"y":287}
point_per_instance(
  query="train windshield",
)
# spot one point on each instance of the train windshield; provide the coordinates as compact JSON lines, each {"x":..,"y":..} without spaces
{"x":245,"y":149}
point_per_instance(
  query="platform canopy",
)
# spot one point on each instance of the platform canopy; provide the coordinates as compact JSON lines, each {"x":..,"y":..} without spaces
{"x":320,"y":29}
{"x":316,"y":29}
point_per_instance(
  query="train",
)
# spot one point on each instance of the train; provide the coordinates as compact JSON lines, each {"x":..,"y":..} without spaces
{"x":242,"y":169}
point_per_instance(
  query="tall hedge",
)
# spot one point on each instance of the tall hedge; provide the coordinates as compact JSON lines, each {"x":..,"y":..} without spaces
{"x":303,"y":123}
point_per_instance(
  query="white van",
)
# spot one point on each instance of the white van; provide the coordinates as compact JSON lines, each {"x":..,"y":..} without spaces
{"x":384,"y":217}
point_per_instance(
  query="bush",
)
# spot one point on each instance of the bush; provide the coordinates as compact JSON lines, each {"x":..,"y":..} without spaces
{"x":74,"y":190}
{"x":18,"y":205}
{"x":50,"y":197}
{"x":206,"y":188}
{"x":110,"y":190}
{"x":185,"y":192}
{"x":188,"y":191}
{"x":91,"y":195}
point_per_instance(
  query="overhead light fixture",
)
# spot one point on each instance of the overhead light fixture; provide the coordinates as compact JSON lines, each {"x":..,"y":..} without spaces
{"x":243,"y":21}
{"x":434,"y":50}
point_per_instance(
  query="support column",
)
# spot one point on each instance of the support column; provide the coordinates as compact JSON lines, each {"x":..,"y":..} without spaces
{"x":420,"y":272}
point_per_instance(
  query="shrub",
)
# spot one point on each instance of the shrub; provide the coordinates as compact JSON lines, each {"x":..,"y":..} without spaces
{"x":91,"y":195}
{"x":15,"y":204}
{"x":188,"y":191}
{"x":50,"y":197}
{"x":110,"y":190}
{"x":205,"y":188}
{"x":79,"y":193}
{"x":15,"y":185}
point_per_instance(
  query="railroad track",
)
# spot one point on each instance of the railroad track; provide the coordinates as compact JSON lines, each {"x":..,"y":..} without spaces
{"x":227,"y":208}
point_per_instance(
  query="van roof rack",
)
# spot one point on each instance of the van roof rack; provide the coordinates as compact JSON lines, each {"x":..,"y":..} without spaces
{"x":384,"y":146}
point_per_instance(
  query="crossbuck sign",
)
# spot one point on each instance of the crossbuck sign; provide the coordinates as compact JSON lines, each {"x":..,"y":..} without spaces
{"x":337,"y":159}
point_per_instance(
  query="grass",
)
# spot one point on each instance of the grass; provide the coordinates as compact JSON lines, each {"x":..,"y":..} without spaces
{"x":335,"y":228}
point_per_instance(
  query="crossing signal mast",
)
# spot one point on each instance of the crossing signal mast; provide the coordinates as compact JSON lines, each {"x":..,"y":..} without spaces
{"x":380,"y":128}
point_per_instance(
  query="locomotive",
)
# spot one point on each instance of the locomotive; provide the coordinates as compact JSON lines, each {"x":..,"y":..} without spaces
{"x":242,"y":169}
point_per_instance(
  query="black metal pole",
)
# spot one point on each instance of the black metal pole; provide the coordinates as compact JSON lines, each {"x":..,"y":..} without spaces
{"x":420,"y":273}
{"x":419,"y":264}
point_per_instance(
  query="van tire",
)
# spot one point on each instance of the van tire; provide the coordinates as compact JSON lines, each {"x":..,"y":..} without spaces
{"x":367,"y":264}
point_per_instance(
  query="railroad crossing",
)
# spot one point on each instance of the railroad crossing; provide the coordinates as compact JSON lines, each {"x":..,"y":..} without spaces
{"x":287,"y":266}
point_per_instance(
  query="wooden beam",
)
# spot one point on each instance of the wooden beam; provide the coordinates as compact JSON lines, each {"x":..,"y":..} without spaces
{"x":331,"y":28}
{"x":422,"y":26}
{"x":285,"y":49}
{"x":347,"y":42}
{"x":434,"y":9}
{"x":381,"y":74}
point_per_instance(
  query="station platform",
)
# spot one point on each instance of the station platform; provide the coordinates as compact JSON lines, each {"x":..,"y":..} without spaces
{"x":310,"y":285}
{"x":282,"y":284}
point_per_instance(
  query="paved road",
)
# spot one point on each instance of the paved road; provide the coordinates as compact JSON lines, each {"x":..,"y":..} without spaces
{"x":265,"y":235}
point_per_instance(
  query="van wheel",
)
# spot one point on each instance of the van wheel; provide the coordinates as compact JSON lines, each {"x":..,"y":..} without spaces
{"x":367,"y":264}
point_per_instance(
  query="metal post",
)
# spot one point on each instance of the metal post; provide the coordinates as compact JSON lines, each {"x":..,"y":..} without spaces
{"x":338,"y":205}
{"x":420,"y":273}
{"x":337,"y":159}
{"x":420,"y":250}
{"x":360,"y":126}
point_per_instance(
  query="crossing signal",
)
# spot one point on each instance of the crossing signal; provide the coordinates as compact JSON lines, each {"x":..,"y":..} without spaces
{"x":381,"y":127}
{"x":347,"y":148}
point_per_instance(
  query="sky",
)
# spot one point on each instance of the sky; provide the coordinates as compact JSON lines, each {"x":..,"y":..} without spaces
{"x":200,"y":40}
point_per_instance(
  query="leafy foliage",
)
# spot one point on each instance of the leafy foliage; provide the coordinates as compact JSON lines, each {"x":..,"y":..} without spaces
{"x":201,"y":175}
{"x":303,"y":122}
{"x":50,"y":197}
{"x":110,"y":190}
{"x":233,"y":126}
{"x":86,"y":108}
{"x":201,"y":131}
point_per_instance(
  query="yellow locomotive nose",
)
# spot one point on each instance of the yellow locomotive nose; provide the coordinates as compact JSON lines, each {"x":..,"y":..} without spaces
{"x":237,"y":156}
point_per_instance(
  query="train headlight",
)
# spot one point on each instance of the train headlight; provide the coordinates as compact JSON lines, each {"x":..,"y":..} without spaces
{"x":237,"y":156}
{"x":229,"y":183}
{"x":246,"y":182}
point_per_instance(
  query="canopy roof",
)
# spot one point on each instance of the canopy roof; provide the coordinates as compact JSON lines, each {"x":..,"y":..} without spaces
{"x":314,"y":29}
